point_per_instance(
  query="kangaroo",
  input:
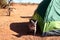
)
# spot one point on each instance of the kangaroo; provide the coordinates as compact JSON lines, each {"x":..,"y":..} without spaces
{"x":33,"y":26}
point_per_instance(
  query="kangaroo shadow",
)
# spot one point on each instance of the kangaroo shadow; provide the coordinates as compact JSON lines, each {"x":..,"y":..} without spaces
{"x":20,"y":28}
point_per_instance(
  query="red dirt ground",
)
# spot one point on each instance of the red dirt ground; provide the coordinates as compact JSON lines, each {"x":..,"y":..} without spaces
{"x":14,"y":27}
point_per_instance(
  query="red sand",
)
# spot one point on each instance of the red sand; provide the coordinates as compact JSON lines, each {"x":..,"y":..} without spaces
{"x":14,"y":27}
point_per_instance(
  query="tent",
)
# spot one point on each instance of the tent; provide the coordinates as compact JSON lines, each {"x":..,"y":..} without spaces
{"x":48,"y":16}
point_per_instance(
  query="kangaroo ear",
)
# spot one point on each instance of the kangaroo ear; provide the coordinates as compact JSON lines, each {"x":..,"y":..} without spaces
{"x":36,"y":22}
{"x":32,"y":21}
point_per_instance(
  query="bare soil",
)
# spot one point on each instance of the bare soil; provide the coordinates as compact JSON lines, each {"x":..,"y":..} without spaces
{"x":14,"y":27}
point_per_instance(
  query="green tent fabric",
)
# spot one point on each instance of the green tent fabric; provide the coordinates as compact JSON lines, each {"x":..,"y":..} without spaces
{"x":49,"y":22}
{"x":52,"y":18}
{"x":40,"y":13}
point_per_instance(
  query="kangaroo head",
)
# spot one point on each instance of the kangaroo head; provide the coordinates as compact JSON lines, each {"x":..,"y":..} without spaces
{"x":34,"y":22}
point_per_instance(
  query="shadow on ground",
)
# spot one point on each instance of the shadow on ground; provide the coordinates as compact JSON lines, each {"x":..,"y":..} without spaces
{"x":26,"y":16}
{"x":21,"y":29}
